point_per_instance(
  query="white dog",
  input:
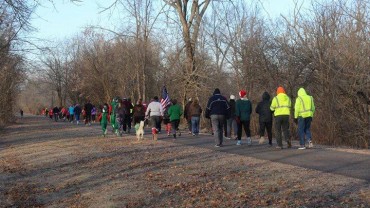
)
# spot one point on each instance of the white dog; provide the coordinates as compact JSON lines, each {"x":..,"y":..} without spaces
{"x":140,"y":130}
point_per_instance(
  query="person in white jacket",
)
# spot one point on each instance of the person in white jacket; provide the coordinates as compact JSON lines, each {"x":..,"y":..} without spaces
{"x":155,"y":112}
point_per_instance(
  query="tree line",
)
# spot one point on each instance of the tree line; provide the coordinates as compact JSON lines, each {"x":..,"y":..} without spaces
{"x":195,"y":46}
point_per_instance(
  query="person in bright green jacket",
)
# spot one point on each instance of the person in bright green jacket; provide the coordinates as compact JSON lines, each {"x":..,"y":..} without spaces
{"x":175,"y":112}
{"x":113,"y":116}
{"x":281,"y":106}
{"x":304,"y":109}
{"x":104,"y":119}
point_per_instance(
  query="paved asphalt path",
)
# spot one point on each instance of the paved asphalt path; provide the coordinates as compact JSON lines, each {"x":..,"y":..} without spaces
{"x":319,"y":158}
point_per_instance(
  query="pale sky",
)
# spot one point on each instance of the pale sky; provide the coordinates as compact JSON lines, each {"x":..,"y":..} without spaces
{"x":68,"y":19}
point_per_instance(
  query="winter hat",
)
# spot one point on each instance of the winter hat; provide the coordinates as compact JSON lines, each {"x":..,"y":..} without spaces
{"x":280,"y":90}
{"x":217,"y":91}
{"x":242,"y":93}
{"x":232,"y":97}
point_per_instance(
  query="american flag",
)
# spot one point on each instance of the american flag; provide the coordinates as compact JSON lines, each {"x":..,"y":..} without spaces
{"x":165,"y":100}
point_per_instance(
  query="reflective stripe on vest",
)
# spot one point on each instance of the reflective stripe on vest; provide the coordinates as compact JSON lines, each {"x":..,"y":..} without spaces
{"x":278,"y":104}
{"x":304,"y":107}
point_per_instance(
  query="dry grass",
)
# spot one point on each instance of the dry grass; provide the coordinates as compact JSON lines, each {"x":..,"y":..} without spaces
{"x":91,"y":171}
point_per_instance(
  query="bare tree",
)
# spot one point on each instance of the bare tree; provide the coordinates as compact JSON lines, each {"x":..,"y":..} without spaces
{"x":190,"y":14}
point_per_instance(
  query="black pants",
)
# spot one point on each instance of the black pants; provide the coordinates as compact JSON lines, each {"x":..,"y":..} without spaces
{"x":268,"y":127}
{"x":175,"y":125}
{"x":88,"y":118}
{"x":137,"y":119}
{"x":282,"y":126}
{"x":127,"y":123}
{"x":71,"y":117}
{"x":56,"y":116}
{"x":246,"y":126}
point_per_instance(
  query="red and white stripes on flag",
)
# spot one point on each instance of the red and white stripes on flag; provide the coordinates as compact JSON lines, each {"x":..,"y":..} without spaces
{"x":165,"y":100}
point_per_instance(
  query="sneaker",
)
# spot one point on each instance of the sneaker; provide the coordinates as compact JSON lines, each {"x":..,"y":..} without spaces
{"x":310,"y":145}
{"x":228,"y":138}
{"x":193,"y":134}
{"x":218,"y":145}
{"x":279,"y":147}
{"x":168,"y":134}
{"x":239,"y":142}
{"x":302,"y":148}
{"x":249,"y":141}
{"x":189,"y":132}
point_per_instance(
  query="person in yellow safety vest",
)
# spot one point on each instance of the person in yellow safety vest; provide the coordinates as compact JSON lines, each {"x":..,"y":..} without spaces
{"x":304,"y":109}
{"x":281,"y":106}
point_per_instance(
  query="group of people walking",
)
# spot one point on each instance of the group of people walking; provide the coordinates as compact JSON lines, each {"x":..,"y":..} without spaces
{"x":72,"y":113}
{"x":226,"y":116}
{"x":237,"y":116}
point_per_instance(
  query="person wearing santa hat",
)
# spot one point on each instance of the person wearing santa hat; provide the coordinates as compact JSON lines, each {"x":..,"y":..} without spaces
{"x":243,"y":110}
{"x":281,"y":106}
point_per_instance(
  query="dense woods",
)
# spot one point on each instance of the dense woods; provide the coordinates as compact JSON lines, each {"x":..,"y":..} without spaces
{"x":193,"y":47}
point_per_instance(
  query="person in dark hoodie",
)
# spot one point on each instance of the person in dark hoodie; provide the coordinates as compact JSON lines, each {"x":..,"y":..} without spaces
{"x":77,"y":111}
{"x":265,"y":118}
{"x":217,"y":110}
{"x":56,"y":113}
{"x":231,"y":122}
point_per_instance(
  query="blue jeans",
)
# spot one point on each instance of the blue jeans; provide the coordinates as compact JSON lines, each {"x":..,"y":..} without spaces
{"x":217,"y":127}
{"x":231,"y":124}
{"x":304,"y":125}
{"x":77,"y":117}
{"x":195,"y":124}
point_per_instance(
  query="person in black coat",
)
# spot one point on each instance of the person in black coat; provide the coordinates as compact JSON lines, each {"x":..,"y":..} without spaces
{"x":77,"y":111}
{"x":88,"y":107}
{"x":56,"y":113}
{"x":265,"y":117}
{"x":218,"y":110}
